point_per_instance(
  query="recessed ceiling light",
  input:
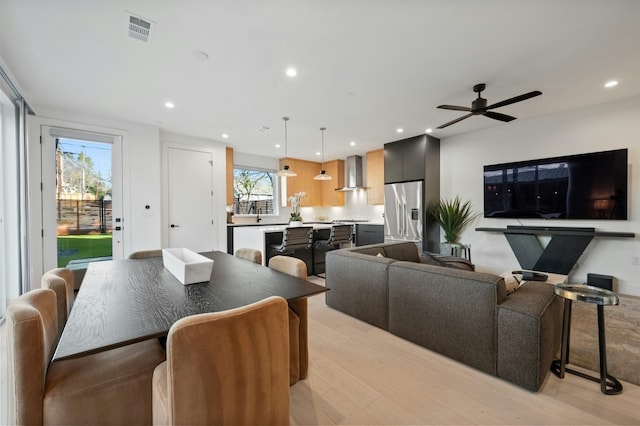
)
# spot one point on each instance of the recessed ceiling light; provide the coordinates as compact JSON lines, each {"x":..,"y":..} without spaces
{"x":225,"y":135}
{"x":352,"y":143}
{"x":318,"y":153}
{"x":612,"y":83}
{"x":291,"y":72}
{"x":169,"y":104}
{"x":277,"y":145}
{"x":399,"y":130}
{"x":429,"y":130}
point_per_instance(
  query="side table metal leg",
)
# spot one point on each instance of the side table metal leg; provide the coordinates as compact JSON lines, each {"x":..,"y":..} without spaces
{"x":558,"y":367}
{"x":606,"y":381}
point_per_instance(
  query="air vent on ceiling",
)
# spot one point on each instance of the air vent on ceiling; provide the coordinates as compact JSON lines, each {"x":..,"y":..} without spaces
{"x":139,"y":28}
{"x":264,"y":129}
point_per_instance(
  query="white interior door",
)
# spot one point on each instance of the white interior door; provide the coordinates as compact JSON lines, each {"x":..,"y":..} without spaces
{"x":190,"y":199}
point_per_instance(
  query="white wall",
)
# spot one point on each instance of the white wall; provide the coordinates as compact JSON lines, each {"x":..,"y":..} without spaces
{"x":595,"y":128}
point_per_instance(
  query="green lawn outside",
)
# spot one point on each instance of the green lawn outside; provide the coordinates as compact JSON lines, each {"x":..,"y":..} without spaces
{"x":72,"y":247}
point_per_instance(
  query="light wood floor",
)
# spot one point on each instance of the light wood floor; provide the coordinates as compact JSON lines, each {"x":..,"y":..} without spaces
{"x":359,"y":374}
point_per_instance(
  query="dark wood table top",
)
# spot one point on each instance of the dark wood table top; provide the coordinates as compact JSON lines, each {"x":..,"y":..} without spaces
{"x":125,"y":301}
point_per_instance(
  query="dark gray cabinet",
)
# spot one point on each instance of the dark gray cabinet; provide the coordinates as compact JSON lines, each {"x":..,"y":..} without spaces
{"x":404,"y":160}
{"x":369,"y":234}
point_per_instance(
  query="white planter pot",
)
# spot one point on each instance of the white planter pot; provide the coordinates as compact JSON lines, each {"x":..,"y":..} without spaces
{"x":295,"y":223}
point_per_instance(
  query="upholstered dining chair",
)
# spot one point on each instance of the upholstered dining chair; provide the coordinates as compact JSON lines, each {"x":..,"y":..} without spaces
{"x":228,"y":367}
{"x":250,"y":254}
{"x":111,"y":387}
{"x":141,"y":254}
{"x":298,"y":333}
{"x":60,"y":280}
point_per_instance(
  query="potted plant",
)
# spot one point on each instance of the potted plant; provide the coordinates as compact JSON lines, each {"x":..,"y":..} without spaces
{"x":453,"y":216}
{"x":296,"y":218}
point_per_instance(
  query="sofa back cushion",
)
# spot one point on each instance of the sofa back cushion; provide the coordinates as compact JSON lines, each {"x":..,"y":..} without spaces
{"x":406,"y":251}
{"x":371,"y":251}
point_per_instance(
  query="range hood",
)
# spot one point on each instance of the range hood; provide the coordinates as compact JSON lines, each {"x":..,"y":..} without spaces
{"x":353,"y":174}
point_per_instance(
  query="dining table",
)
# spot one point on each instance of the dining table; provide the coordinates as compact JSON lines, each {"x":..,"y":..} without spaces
{"x":121,"y":302}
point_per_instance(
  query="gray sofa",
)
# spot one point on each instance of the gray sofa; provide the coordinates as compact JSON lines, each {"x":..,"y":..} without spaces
{"x":444,"y":306}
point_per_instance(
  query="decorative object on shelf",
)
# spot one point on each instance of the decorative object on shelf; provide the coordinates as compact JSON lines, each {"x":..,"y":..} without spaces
{"x":295,"y":206}
{"x":285,"y":169}
{"x":452,"y":216}
{"x":323,"y":173}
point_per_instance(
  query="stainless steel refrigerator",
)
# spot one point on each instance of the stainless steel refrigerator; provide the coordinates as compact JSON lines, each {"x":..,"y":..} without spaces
{"x":403,"y":212}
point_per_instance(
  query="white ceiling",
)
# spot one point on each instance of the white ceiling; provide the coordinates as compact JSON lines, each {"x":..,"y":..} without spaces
{"x":365,"y":67}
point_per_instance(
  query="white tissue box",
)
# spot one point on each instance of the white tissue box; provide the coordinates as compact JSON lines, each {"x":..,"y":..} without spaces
{"x":187,"y":266}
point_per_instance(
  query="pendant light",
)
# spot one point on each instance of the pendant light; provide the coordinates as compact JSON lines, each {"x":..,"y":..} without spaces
{"x":285,"y":169}
{"x":323,"y":174}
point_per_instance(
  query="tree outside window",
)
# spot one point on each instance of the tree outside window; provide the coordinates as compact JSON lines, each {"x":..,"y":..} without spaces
{"x":253,"y":191}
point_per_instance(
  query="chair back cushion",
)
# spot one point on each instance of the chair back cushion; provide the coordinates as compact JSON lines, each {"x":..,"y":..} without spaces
{"x":143,"y":254}
{"x":229,"y":367}
{"x":32,"y":326}
{"x":250,"y":254}
{"x":289,"y":265}
{"x":60,"y":280}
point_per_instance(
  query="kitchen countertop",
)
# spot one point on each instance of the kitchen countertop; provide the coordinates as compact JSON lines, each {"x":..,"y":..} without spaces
{"x":312,"y":223}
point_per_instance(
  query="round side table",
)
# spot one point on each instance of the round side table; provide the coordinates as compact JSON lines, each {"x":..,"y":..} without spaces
{"x":600,"y":297}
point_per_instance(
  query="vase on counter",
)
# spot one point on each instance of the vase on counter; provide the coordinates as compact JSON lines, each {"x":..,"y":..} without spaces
{"x":295,"y":223}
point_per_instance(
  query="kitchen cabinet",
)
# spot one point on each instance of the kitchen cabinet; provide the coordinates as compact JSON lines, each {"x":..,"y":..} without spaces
{"x":369,"y":234}
{"x":375,"y":177}
{"x":303,"y":182}
{"x":331,"y":197}
{"x":319,"y":192}
{"x":229,"y":162}
{"x":404,"y":160}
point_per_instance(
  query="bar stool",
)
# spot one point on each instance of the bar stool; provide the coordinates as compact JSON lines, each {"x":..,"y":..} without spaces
{"x":340,"y":234}
{"x":294,"y":238}
{"x":609,"y":385}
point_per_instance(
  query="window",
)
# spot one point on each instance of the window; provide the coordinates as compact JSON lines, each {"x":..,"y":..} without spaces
{"x":253,"y":190}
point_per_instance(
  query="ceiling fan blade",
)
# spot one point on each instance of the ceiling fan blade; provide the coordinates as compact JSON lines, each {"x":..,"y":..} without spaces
{"x":455,"y":107}
{"x":498,"y":116}
{"x":515,"y":99}
{"x":455,"y":121}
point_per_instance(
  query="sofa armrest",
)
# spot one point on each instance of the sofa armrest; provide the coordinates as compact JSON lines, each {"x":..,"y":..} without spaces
{"x":529,"y":333}
{"x":358,"y":285}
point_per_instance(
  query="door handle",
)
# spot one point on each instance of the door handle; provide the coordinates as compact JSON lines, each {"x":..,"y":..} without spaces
{"x":175,"y":226}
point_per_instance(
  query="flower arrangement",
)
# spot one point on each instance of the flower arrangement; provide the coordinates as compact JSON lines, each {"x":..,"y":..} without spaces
{"x":295,"y":205}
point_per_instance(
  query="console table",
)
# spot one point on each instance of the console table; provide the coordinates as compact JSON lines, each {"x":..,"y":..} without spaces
{"x":563,"y":251}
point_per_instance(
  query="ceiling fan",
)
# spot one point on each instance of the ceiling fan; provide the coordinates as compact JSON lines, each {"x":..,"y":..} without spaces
{"x":479,"y":106}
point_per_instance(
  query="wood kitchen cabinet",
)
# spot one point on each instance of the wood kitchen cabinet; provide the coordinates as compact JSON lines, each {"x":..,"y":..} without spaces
{"x":229,"y":152}
{"x":331,"y":197}
{"x":319,"y":192}
{"x":375,"y":177}
{"x":304,"y":182}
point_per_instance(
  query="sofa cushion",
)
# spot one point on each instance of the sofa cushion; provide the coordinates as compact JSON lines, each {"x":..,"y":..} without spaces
{"x":403,"y":251}
{"x":371,"y":251}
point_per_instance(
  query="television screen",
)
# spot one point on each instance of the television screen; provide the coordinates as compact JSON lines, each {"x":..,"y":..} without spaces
{"x":584,"y":186}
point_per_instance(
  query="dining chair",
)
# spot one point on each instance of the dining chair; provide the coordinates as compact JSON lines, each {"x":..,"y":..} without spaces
{"x":228,"y":367}
{"x":111,"y":387}
{"x":298,"y":333}
{"x":141,"y":254}
{"x":249,"y":254}
{"x":60,"y":280}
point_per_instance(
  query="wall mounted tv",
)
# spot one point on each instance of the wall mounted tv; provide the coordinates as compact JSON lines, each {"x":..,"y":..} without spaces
{"x":584,"y":186}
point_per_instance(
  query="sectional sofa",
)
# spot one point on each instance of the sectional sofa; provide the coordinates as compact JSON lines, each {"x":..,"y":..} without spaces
{"x":445,"y":306}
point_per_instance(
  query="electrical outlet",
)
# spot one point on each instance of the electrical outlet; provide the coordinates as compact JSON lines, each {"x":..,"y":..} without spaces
{"x":635,"y":260}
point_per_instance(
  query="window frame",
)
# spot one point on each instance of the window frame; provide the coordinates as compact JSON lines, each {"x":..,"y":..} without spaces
{"x":275,"y":193}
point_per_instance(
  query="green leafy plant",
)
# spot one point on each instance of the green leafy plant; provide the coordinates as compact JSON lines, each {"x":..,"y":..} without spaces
{"x":452,"y":216}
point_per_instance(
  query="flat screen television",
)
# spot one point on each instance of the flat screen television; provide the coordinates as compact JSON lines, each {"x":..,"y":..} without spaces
{"x":584,"y":186}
